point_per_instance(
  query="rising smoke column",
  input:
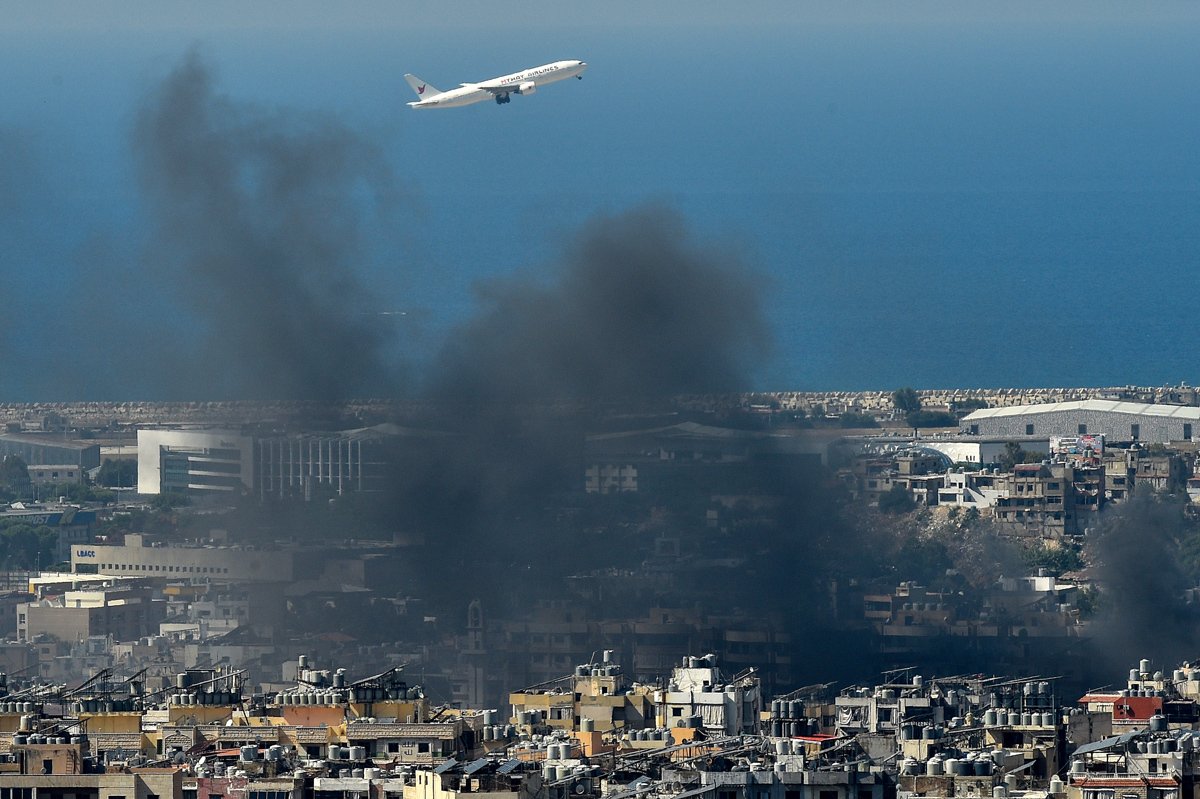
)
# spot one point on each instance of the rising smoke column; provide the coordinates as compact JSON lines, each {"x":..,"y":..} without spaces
{"x":258,"y":225}
{"x":637,"y":309}
{"x":634,"y":309}
{"x":1136,"y":556}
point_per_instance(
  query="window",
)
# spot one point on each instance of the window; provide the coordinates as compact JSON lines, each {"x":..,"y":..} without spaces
{"x":677,"y":712}
{"x":1187,"y":431}
{"x":1028,"y":429}
{"x":423,"y":747}
{"x":1082,"y":430}
{"x":974,"y":429}
{"x":1135,"y":431}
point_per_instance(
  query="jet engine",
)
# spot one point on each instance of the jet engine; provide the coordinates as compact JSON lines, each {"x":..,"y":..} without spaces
{"x":528,"y":87}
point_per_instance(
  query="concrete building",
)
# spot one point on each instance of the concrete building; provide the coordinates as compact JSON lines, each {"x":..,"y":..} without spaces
{"x":194,"y":461}
{"x":136,"y":557}
{"x":1039,"y":502}
{"x":335,"y":463}
{"x":597,"y":696}
{"x":124,"y":612}
{"x":718,"y":459}
{"x":983,"y":451}
{"x":1116,"y":421}
{"x":163,"y":783}
{"x":697,"y":690}
{"x":918,"y":473}
{"x":38,"y":449}
{"x":1129,"y":469}
{"x":55,"y":474}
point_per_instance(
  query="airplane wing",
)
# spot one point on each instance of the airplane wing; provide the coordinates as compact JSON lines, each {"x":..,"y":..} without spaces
{"x":496,"y":87}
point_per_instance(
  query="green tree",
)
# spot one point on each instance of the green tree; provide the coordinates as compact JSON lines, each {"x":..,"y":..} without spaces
{"x":14,"y":475}
{"x":168,"y":500}
{"x":1055,"y":560}
{"x":932,"y":419}
{"x":25,"y":546}
{"x":1014,"y":454}
{"x":906,"y":401}
{"x":897,"y":500}
{"x":850,"y":419}
{"x":121,"y":473}
{"x":80,"y":492}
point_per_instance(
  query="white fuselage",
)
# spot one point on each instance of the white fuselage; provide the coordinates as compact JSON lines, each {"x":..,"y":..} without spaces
{"x":470,"y":93}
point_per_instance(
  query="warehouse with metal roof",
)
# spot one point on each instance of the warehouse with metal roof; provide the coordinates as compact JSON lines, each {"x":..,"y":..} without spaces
{"x":1116,"y":421}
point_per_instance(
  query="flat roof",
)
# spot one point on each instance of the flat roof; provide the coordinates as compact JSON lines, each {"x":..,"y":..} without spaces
{"x":1094,"y":405}
{"x":48,"y":440}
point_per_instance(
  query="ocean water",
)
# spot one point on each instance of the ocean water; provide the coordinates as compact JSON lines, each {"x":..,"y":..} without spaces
{"x":942,"y":202}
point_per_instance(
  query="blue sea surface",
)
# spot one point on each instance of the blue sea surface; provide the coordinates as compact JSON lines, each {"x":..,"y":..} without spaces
{"x":949,"y":202}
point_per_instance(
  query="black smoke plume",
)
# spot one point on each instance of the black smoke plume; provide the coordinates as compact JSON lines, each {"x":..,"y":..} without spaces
{"x":637,"y":310}
{"x":1137,"y":556}
{"x":258,"y":222}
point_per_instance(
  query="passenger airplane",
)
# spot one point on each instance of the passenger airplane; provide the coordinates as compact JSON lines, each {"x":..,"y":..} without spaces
{"x":524,"y":82}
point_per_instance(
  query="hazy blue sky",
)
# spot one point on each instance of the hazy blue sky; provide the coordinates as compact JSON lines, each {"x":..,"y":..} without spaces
{"x":936,"y":194}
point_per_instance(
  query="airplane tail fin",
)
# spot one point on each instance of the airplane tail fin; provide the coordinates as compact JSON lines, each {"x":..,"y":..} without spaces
{"x":423,"y":89}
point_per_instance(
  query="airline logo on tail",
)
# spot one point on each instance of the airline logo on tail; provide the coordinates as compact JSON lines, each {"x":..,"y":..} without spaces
{"x":421,"y":89}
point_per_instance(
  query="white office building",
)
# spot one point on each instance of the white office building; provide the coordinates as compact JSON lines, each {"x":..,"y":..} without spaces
{"x":194,"y":461}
